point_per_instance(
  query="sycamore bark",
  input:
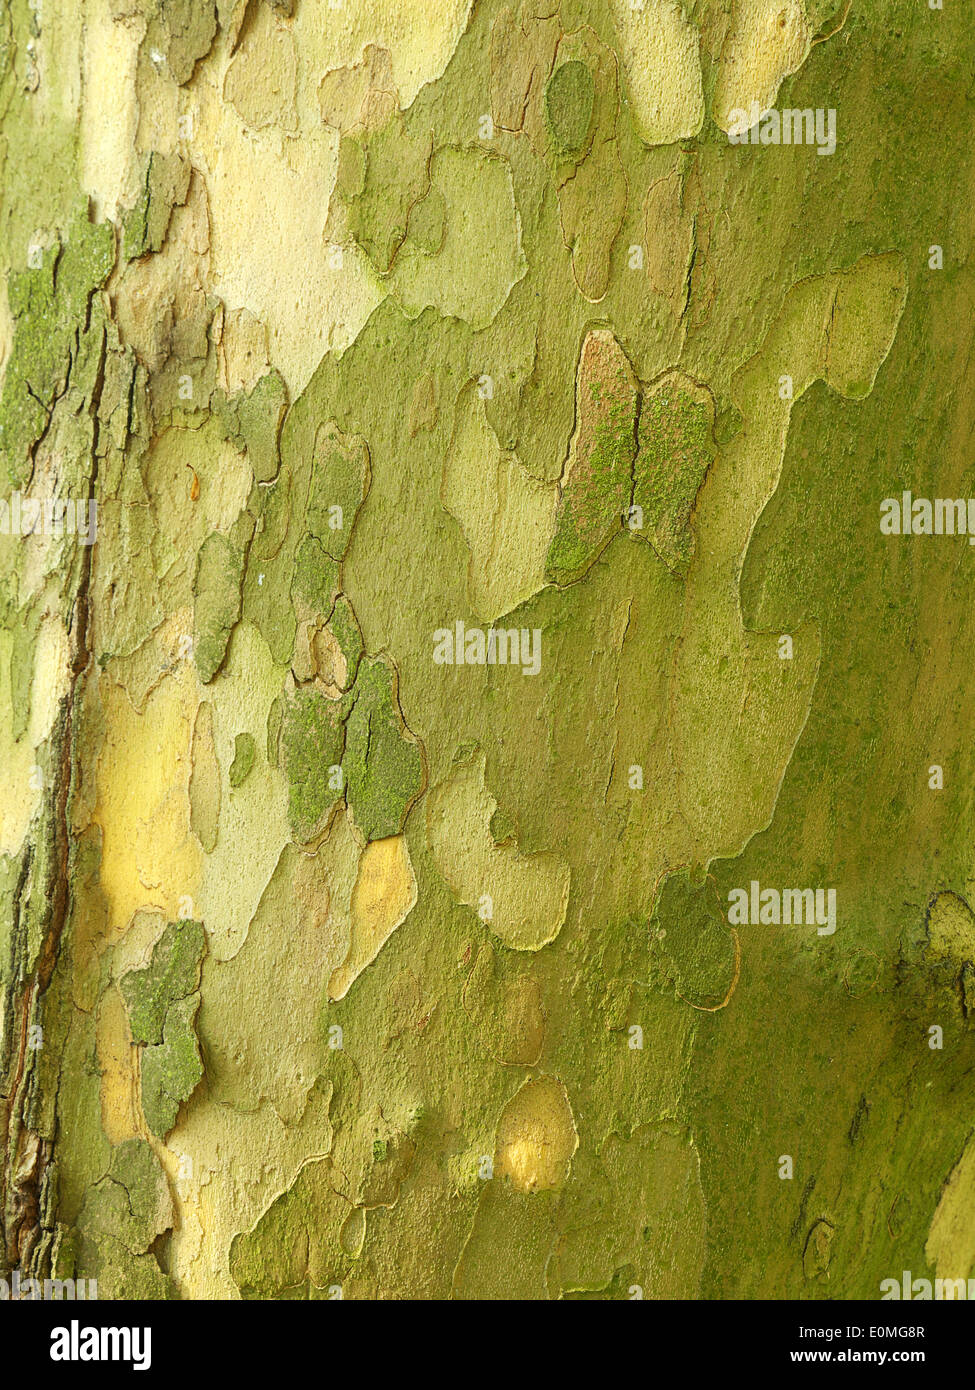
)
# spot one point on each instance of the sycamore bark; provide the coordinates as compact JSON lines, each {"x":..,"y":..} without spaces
{"x":443,"y":452}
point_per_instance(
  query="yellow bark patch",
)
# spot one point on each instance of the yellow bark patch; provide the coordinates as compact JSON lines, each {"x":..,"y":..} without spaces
{"x":950,"y":1245}
{"x":150,"y":857}
{"x":121,"y":1107}
{"x":384,"y":894}
{"x":536,"y":1137}
{"x":951,"y":929}
{"x":660,"y":50}
{"x":766,"y":43}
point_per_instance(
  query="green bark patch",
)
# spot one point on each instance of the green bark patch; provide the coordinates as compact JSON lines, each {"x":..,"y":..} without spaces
{"x":478,"y":258}
{"x":585,"y":156}
{"x":340,"y":481}
{"x":244,"y":750}
{"x":217,"y":603}
{"x":695,"y":947}
{"x":270,"y":568}
{"x":676,"y":451}
{"x":132,"y":1202}
{"x":166,"y":184}
{"x":428,"y":222}
{"x":312,"y":741}
{"x":49,"y":304}
{"x":173,"y":973}
{"x":171,"y":1071}
{"x":162,"y":1001}
{"x":346,"y":629}
{"x":253,"y":420}
{"x":181,"y":31}
{"x":569,"y":99}
{"x":295,"y":1249}
{"x":123,"y":1214}
{"x":316,"y":577}
{"x":383,"y":174}
{"x":383,"y":768}
{"x":597,"y":481}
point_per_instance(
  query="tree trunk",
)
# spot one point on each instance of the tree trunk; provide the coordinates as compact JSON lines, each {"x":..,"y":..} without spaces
{"x":486,"y":776}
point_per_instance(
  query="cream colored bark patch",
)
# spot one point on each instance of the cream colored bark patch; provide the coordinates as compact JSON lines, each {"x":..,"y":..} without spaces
{"x":274,"y":988}
{"x":253,"y":826}
{"x":766,"y":43}
{"x":224,"y":490}
{"x":523,"y":899}
{"x":261,"y":82}
{"x":51,"y":678}
{"x":420,"y":38}
{"x":361,"y":95}
{"x":205,"y":781}
{"x":242,"y":351}
{"x":384,"y":895}
{"x":109,"y":109}
{"x":269,"y":253}
{"x":224,"y":1167}
{"x":660,"y":50}
{"x":536,"y":1137}
{"x":507,"y":516}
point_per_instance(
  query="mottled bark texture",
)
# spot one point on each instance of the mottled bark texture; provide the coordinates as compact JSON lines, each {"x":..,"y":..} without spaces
{"x":450,"y":630}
